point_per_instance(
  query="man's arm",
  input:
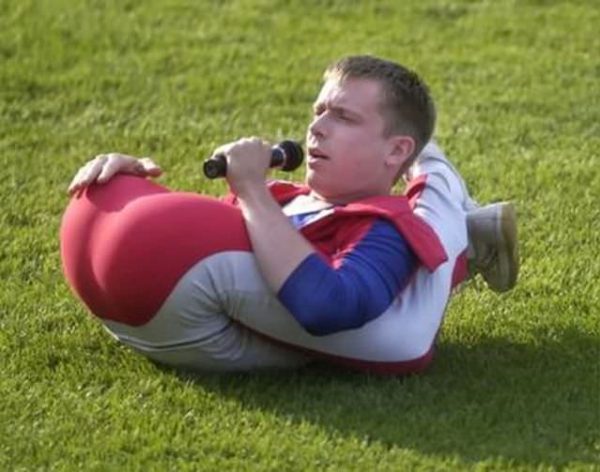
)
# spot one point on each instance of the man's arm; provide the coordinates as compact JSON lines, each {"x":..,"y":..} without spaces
{"x":277,"y":245}
{"x":279,"y":248}
{"x":361,"y":282}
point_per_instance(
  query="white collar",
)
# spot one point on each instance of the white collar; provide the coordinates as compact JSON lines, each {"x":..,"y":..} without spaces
{"x":305,"y":204}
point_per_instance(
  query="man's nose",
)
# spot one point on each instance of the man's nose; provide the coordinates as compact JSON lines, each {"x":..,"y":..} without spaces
{"x":317,"y":126}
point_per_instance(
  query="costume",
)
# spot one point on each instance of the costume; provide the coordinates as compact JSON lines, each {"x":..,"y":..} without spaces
{"x":356,"y":247}
{"x":172,"y":274}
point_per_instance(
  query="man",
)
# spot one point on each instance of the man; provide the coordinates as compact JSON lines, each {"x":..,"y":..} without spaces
{"x":339,"y":268}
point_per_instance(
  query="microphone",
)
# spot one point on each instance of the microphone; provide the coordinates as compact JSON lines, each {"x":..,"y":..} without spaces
{"x":287,"y":155}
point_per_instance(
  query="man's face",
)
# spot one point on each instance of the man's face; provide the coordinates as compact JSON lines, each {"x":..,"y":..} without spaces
{"x":346,"y":143}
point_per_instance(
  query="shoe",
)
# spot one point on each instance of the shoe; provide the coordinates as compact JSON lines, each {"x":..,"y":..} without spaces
{"x":493,"y":244}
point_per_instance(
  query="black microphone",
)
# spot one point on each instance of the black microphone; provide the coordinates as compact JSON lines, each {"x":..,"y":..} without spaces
{"x":287,"y":155}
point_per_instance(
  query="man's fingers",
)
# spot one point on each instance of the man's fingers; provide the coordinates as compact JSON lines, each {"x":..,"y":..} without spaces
{"x":242,"y":143}
{"x":150,"y":167}
{"x":92,"y":170}
{"x":86,"y":174}
{"x":74,"y":185}
{"x":112,"y":165}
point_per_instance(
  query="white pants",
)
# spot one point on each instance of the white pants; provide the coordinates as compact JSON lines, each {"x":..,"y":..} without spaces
{"x":221,"y":316}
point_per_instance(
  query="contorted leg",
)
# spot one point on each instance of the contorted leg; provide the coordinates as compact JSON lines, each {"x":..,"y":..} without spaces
{"x":131,"y":250}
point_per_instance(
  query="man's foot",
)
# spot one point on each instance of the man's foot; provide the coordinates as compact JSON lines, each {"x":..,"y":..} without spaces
{"x":493,"y":244}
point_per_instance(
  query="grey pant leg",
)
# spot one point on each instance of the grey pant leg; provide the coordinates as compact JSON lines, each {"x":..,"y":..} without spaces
{"x":192,"y":331}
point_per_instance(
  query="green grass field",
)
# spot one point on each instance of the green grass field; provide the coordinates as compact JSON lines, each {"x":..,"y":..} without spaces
{"x":516,"y":382}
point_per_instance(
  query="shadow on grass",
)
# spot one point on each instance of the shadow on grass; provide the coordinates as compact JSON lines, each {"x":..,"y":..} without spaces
{"x":496,"y":399}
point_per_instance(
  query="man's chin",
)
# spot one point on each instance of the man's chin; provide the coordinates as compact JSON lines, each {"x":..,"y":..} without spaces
{"x":317,"y":187}
{"x":311,"y":179}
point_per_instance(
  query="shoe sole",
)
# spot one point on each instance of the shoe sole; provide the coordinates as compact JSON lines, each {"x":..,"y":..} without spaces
{"x":508,"y":244}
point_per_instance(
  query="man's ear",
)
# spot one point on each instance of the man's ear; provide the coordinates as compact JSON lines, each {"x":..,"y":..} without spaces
{"x":401,"y":150}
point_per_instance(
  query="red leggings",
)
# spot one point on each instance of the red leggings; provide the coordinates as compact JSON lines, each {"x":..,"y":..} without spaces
{"x":124,"y":250}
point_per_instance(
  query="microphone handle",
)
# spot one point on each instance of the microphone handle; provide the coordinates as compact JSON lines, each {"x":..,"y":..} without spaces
{"x":216,"y":166}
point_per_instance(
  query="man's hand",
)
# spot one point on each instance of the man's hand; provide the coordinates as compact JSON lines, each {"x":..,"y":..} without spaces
{"x":248,"y":161}
{"x":104,"y":166}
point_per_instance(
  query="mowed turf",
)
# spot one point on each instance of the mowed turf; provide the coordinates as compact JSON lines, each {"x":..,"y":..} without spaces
{"x":515,"y":385}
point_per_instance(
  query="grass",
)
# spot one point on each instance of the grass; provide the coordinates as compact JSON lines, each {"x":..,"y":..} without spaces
{"x":516,"y":382}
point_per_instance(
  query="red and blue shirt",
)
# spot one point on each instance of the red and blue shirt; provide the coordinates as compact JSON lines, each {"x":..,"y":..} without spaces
{"x":366,"y":253}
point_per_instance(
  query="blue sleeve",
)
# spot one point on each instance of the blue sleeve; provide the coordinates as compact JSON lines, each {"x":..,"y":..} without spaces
{"x":325,"y":300}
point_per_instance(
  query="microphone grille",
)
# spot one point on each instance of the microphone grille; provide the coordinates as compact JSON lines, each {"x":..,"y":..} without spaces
{"x":294,"y":155}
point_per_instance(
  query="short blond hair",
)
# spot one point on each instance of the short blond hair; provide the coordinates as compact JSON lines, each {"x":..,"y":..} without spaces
{"x":406,"y":104}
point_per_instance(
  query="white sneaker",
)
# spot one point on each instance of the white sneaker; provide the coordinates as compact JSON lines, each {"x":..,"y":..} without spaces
{"x":493,"y":244}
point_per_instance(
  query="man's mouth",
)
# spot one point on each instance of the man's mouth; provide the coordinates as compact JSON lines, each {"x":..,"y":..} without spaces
{"x":315,"y":153}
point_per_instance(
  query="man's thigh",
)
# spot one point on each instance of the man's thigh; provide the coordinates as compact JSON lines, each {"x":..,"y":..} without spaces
{"x":192,"y":331}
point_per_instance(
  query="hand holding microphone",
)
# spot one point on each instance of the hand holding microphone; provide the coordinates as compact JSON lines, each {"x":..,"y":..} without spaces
{"x":287,"y":155}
